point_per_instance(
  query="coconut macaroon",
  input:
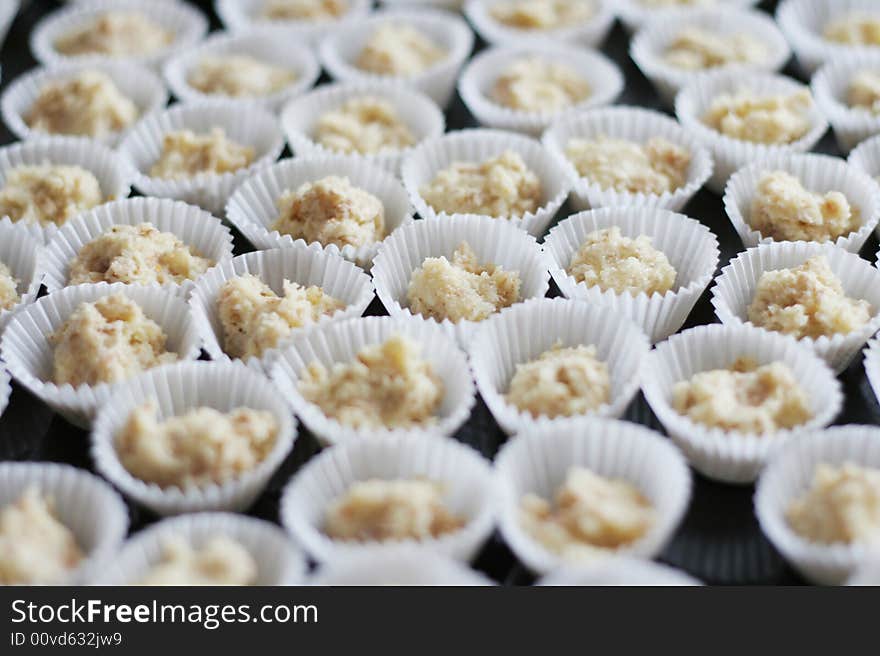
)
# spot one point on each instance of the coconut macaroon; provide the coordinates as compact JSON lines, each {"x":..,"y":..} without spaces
{"x":499,"y":186}
{"x":366,"y":125}
{"x":308,"y":10}
{"x":85,"y":104}
{"x":656,"y":166}
{"x":219,"y":561}
{"x":388,"y":385}
{"x":48,"y":194}
{"x":137,"y":254}
{"x":399,"y":50}
{"x":609,"y":260}
{"x":9,"y":295}
{"x":591,"y":516}
{"x":696,"y":48}
{"x":238,"y":76}
{"x":331,"y":211}
{"x":186,"y":154}
{"x":766,"y":119}
{"x":378,"y":510}
{"x":542,"y":14}
{"x":746,"y":397}
{"x":537,"y":84}
{"x":863,"y":91}
{"x":255,"y":319}
{"x":116,"y":34}
{"x":854,"y":28}
{"x":36,"y":548}
{"x":462,"y":289}
{"x":806,"y":301}
{"x":106,"y":341}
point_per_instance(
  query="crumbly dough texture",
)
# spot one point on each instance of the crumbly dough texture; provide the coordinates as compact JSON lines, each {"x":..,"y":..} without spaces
{"x":542,"y":14}
{"x":9,"y":295}
{"x":461,"y":289}
{"x":255,"y":319}
{"x":219,"y":561}
{"x":87,"y":104}
{"x":198,"y":448}
{"x":785,"y":211}
{"x":842,"y":505}
{"x":806,"y":301}
{"x":331,"y":211}
{"x":657,"y":166}
{"x":387,"y":385}
{"x":106,"y":341}
{"x":308,"y":10}
{"x":400,"y":50}
{"x":186,"y":154}
{"x":500,"y":186}
{"x":367,"y":125}
{"x":609,"y":260}
{"x":746,"y":398}
{"x":379,"y":510}
{"x":863,"y":91}
{"x":695,"y":48}
{"x":561,"y":382}
{"x":116,"y":34}
{"x":239,"y":76}
{"x":48,"y":194}
{"x":36,"y":548}
{"x":769,"y":119}
{"x":137,"y":254}
{"x":537,"y":84}
{"x":591,"y":515}
{"x":854,"y":28}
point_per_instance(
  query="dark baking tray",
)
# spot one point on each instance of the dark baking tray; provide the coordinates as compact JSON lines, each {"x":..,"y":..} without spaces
{"x":719,"y":540}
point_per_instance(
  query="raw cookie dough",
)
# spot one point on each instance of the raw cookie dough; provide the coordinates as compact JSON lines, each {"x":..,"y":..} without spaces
{"x":400,"y":50}
{"x":186,"y":154}
{"x":8,"y":288}
{"x":307,"y":10}
{"x":806,"y":301}
{"x":695,"y":48}
{"x":239,"y":76}
{"x":379,"y":510}
{"x":255,"y":319}
{"x":772,"y":119}
{"x":137,"y":254}
{"x":365,"y":125}
{"x":116,"y":34}
{"x":387,"y":385}
{"x":219,"y":561}
{"x":461,"y":289}
{"x":542,"y":14}
{"x":537,"y":84}
{"x":106,"y":341}
{"x":747,"y":398}
{"x":48,"y":194}
{"x":855,"y":28}
{"x":864,"y":91}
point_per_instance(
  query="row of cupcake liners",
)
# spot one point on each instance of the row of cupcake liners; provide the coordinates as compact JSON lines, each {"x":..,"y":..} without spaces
{"x":636,"y":15}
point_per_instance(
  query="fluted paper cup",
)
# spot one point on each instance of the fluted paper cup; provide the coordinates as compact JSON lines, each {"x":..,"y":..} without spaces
{"x":692,"y":250}
{"x":306,"y":265}
{"x":830,"y":86}
{"x":818,"y":174}
{"x":726,"y":455}
{"x":340,"y":342}
{"x":240,"y":15}
{"x":735,"y":288}
{"x":21,"y":254}
{"x":637,"y":14}
{"x":867,"y":573}
{"x":404,"y":565}
{"x":340,"y":49}
{"x":253,"y":208}
{"x":620,"y":570}
{"x":633,"y":124}
{"x":492,"y":241}
{"x":481,"y":74}
{"x":468,"y":491}
{"x":28,"y":354}
{"x":5,"y":390}
{"x":537,"y":461}
{"x":8,"y":11}
{"x":85,"y":504}
{"x":278,"y":560}
{"x":247,"y":125}
{"x":866,"y":158}
{"x":789,"y":475}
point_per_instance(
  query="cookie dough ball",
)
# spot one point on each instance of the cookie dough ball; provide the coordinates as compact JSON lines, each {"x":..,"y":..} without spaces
{"x":367,"y":125}
{"x":186,"y":154}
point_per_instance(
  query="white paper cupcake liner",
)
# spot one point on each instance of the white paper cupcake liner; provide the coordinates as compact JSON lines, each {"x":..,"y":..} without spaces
{"x":466,"y":477}
{"x":590,"y":33}
{"x":275,"y":46}
{"x":537,"y":462}
{"x":692,"y":249}
{"x":635,"y":15}
{"x":620,"y":570}
{"x":340,"y":49}
{"x":695,"y":98}
{"x":633,"y":124}
{"x":239,"y":15}
{"x":203,"y":233}
{"x":28,"y":354}
{"x":480,"y":75}
{"x":492,"y":241}
{"x":416,"y":110}
{"x":867,"y":573}
{"x":186,"y":22}
{"x":735,"y":288}
{"x":113,"y":173}
{"x":278,"y":560}
{"x":141,"y":85}
{"x":178,"y":389}
{"x":8,"y":11}
{"x":733,"y":456}
{"x":306,"y":265}
{"x":21,"y":254}
{"x":648,"y":48}
{"x":452,"y":5}
{"x":253,"y":208}
{"x":5,"y":390}
{"x":85,"y":504}
{"x":866,"y":158}
{"x":819,"y":174}
{"x":247,"y":125}
{"x":422,"y":165}
{"x":830,"y":86}
{"x":400,"y":565}
{"x":789,"y":475}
